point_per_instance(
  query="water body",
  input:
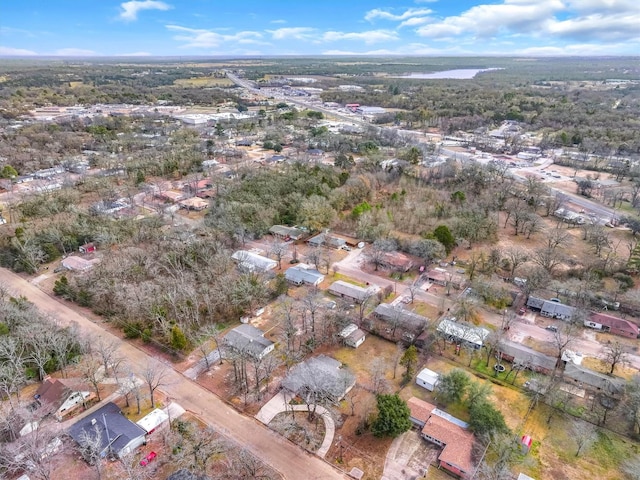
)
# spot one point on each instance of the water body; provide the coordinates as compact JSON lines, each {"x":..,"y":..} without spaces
{"x":458,"y":74}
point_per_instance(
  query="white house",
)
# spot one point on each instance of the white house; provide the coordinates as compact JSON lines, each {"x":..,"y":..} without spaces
{"x":427,"y":379}
{"x":352,"y":335}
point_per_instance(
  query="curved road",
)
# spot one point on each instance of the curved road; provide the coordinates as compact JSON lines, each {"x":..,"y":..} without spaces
{"x":291,"y":461}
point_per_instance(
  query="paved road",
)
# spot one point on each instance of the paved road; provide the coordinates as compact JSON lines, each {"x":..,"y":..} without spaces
{"x":291,"y":461}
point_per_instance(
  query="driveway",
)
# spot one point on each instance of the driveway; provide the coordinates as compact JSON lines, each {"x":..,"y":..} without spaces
{"x":409,"y":457}
{"x":279,"y":403}
{"x":288,"y":459}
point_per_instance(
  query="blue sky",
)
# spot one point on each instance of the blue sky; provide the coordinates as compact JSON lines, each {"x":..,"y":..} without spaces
{"x":319,"y":27}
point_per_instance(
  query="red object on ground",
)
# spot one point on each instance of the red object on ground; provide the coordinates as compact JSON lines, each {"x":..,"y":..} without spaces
{"x":150,"y":457}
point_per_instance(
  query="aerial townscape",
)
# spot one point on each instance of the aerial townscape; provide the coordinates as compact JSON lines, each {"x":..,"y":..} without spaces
{"x":280,"y":241}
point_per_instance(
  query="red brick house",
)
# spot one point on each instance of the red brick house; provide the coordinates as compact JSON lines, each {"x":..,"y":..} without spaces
{"x":615,"y":325}
{"x":446,"y":431}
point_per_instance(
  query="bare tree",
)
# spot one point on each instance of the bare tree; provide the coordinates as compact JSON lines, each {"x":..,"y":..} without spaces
{"x":584,"y":434}
{"x":516,"y":257}
{"x":90,"y":447}
{"x":106,"y":350}
{"x":564,"y":336}
{"x":615,"y":354}
{"x":90,"y":370}
{"x":33,"y":452}
{"x":377,"y":372}
{"x":279,"y":249}
{"x":154,"y":374}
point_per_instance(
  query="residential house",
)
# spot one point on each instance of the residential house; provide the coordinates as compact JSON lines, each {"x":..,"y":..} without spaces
{"x":253,"y":262}
{"x":517,"y":353}
{"x":400,"y":317}
{"x":62,"y":396}
{"x":460,"y":332}
{"x":396,"y":261}
{"x":304,"y":274}
{"x":196,"y":204}
{"x":615,"y":325}
{"x":320,"y":374}
{"x":352,"y":336}
{"x":551,"y":308}
{"x":445,"y":431}
{"x":352,"y":292}
{"x":327,"y":240}
{"x":248,"y":339}
{"x":589,"y":379}
{"x":118,"y":435}
{"x":79,"y":264}
{"x":287,"y":234}
{"x":427,"y":379}
{"x":184,"y":474}
{"x":153,"y":420}
{"x":442,"y":277}
{"x":196,"y":186}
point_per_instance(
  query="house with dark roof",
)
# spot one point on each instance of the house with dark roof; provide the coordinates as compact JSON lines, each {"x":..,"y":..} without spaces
{"x":350,"y":291}
{"x":327,"y":240}
{"x":247,"y":339}
{"x":446,"y":431}
{"x":117,"y":434}
{"x":551,"y":308}
{"x":612,"y":324}
{"x":320,"y":374}
{"x":62,"y":396}
{"x":531,"y":359}
{"x":592,"y":380}
{"x":184,"y":474}
{"x":303,"y":274}
{"x":287,"y":233}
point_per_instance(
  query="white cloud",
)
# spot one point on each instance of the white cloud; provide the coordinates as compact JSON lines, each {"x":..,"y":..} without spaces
{"x":598,"y":26}
{"x":293,"y":33}
{"x":385,"y":15}
{"x":576,"y":49}
{"x":415,"y":21}
{"x":522,"y":16}
{"x":278,"y":21}
{"x":368,"y":37}
{"x":130,"y":9}
{"x":200,"y":38}
{"x":75,"y":52}
{"x":16,"y":51}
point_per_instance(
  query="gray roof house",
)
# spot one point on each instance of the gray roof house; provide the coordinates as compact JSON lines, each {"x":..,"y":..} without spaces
{"x":354,"y":292}
{"x":327,"y":240}
{"x":551,"y":309}
{"x":462,"y":332}
{"x":248,"y":339}
{"x":303,"y":273}
{"x":531,"y":359}
{"x":404,"y":318}
{"x":287,"y":233}
{"x":352,"y":336}
{"x":117,"y":433}
{"x":595,"y":380}
{"x":253,"y":262}
{"x":320,"y":375}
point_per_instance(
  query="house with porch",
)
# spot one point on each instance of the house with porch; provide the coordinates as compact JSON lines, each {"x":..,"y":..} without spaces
{"x":446,"y":431}
{"x":287,"y":234}
{"x":62,"y":396}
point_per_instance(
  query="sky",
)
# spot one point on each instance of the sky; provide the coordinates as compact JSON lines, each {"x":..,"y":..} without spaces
{"x":319,"y":27}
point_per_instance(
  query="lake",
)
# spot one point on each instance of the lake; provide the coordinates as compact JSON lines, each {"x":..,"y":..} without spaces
{"x":458,"y":74}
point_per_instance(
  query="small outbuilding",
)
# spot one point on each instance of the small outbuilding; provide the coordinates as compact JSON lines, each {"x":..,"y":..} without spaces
{"x":352,"y":335}
{"x":153,"y":420}
{"x":427,"y":379}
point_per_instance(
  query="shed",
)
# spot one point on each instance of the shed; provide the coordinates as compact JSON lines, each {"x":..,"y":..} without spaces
{"x":153,"y":420}
{"x":427,"y":379}
{"x":352,"y":335}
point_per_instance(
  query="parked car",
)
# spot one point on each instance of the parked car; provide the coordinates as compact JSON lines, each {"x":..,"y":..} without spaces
{"x":522,"y":311}
{"x":551,"y":328}
{"x":149,"y":458}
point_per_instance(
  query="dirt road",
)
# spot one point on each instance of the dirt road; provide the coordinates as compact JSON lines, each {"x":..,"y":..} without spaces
{"x":292,"y":462}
